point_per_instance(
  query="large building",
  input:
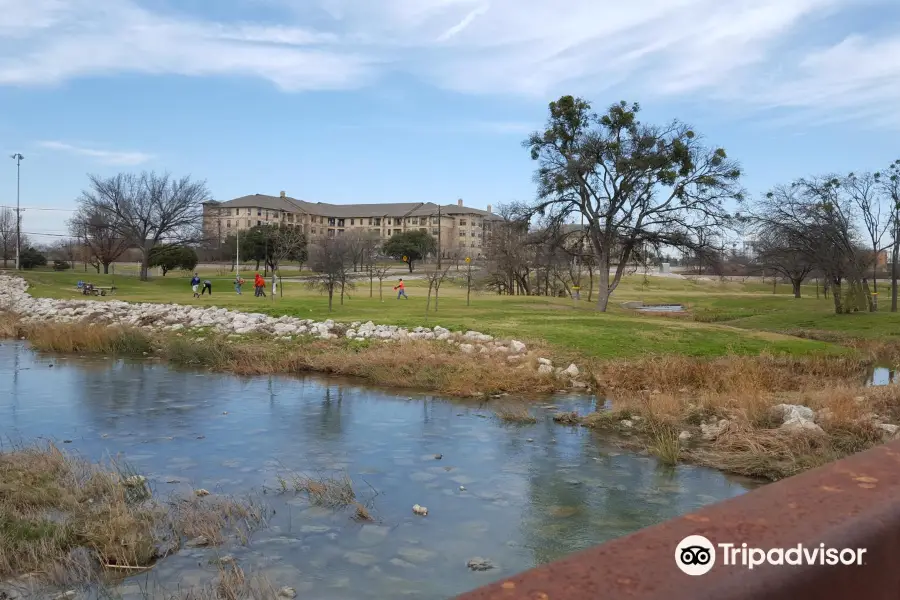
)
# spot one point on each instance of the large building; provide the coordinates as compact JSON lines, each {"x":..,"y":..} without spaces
{"x":460,"y":229}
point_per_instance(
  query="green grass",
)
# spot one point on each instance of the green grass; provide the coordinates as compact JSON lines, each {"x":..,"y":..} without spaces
{"x":724,"y":317}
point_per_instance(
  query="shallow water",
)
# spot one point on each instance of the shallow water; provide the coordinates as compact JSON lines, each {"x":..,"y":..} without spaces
{"x":883,"y":376}
{"x":532,"y":494}
{"x":662,"y":308}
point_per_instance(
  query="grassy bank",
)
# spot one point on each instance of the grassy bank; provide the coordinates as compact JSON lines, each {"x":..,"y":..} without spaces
{"x":70,"y":522}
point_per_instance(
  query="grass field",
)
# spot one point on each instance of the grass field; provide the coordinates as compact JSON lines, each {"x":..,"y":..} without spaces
{"x":722,"y":318}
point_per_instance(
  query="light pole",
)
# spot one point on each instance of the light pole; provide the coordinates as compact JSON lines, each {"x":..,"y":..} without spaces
{"x":18,"y":158}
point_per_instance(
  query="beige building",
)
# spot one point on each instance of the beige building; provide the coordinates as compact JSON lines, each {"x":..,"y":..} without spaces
{"x":459,"y":228}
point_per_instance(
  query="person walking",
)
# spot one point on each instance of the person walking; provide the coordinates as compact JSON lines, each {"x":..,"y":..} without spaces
{"x":260,"y":284}
{"x":207,"y":285}
{"x":238,"y":282}
{"x":400,"y":288}
{"x":195,"y":285}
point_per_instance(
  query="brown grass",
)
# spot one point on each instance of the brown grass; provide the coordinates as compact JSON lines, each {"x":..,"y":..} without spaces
{"x":567,"y":418}
{"x":231,"y":584}
{"x":416,"y":364}
{"x":514,"y":413}
{"x":332,"y":491}
{"x":68,"y":520}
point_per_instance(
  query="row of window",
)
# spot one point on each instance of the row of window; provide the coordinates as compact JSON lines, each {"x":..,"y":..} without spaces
{"x":341,"y":222}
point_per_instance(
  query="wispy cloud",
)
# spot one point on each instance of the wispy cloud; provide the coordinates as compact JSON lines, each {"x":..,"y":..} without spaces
{"x":108,"y":157}
{"x":801,"y":55}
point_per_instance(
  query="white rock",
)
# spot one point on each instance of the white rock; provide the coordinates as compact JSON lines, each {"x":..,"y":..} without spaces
{"x":572,"y":371}
{"x":685,"y":436}
{"x":545,"y":361}
{"x":545,"y":369}
{"x":517,"y":347}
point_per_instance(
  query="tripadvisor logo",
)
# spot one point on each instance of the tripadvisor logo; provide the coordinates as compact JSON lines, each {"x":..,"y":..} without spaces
{"x":696,"y":555}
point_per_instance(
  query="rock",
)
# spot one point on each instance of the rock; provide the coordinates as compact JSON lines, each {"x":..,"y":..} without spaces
{"x":462,"y":488}
{"x":287,"y":592}
{"x":545,"y":361}
{"x":685,"y":436}
{"x":571,"y":371}
{"x":517,"y":347}
{"x":201,"y":493}
{"x":797,"y":425}
{"x":626,"y":423}
{"x":480,"y":564}
{"x":438,"y":456}
{"x":467,"y":348}
{"x":197,"y":542}
{"x":889,"y":430}
{"x":134,"y":481}
{"x":710,"y":431}
{"x":545,"y":369}
{"x":420,"y":510}
{"x":790,"y":412}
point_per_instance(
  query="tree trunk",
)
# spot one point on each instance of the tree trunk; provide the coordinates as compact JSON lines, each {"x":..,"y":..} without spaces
{"x":145,"y":266}
{"x":330,"y":297}
{"x":105,"y":269}
{"x":591,"y":281}
{"x":603,"y":292}
{"x":796,"y":284}
{"x":894,"y":270}
{"x":381,"y":290}
{"x":342,"y":294}
{"x":838,"y":300}
{"x":409,"y":264}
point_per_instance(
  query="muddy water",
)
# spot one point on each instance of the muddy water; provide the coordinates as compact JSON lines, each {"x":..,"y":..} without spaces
{"x":531,"y":494}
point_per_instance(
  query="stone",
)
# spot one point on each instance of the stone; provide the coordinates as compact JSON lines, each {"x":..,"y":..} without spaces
{"x":197,"y":542}
{"x":287,"y":592}
{"x":479,"y":564}
{"x":201,"y":493}
{"x":420,"y":510}
{"x":710,"y":431}
{"x":571,"y":371}
{"x":545,"y":369}
{"x":889,"y":430}
{"x":684,"y":436}
{"x":545,"y":361}
{"x":626,"y":423}
{"x":517,"y":347}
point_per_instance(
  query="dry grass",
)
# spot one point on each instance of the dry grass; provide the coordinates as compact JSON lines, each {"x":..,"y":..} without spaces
{"x":415,"y":364}
{"x":231,"y":584}
{"x":731,"y":374}
{"x":325,"y":490}
{"x":514,"y":413}
{"x":68,"y":520}
{"x":567,"y":418}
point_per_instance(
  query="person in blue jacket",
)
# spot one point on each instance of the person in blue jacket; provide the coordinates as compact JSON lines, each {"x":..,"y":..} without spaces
{"x":195,"y":285}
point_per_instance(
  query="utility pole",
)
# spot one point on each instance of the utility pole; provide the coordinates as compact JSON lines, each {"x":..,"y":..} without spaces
{"x":18,"y":158}
{"x":237,"y":259}
{"x":440,"y":247}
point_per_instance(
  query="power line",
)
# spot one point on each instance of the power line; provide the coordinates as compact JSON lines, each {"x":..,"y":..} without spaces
{"x":36,"y":208}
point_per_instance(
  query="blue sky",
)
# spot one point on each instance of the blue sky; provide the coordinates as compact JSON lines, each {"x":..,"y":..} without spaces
{"x":425,"y":100}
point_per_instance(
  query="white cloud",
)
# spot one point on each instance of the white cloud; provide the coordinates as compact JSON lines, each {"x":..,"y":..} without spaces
{"x":108,"y":157}
{"x":797,"y":54}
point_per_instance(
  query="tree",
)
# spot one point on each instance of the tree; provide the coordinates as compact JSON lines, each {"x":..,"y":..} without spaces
{"x":7,"y":235}
{"x":889,"y":183}
{"x":510,"y":255}
{"x":286,"y":243}
{"x":634,"y":184}
{"x":93,"y":229}
{"x":170,"y":256}
{"x":435,"y":278}
{"x":870,"y":203}
{"x":64,"y":250}
{"x":30,"y":257}
{"x":414,"y":245}
{"x":331,"y":262}
{"x":380,"y":273}
{"x":147,"y":209}
{"x":777,"y":252}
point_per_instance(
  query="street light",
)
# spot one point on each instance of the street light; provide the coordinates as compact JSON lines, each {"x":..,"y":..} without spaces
{"x":18,"y":158}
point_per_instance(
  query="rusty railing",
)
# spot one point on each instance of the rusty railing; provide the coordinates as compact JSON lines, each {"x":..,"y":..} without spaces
{"x":852,"y":503}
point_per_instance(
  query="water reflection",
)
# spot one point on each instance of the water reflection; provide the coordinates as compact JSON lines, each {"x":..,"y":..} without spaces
{"x":519,"y":496}
{"x":884,"y":376}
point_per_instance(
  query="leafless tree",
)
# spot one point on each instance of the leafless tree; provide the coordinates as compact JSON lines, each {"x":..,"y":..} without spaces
{"x":7,"y":235}
{"x":147,"y":209}
{"x":873,"y":208}
{"x":65,"y":250}
{"x":435,"y":279}
{"x":510,"y":255}
{"x":889,"y":184}
{"x":777,"y":252}
{"x":331,"y":262}
{"x":379,"y":272}
{"x":633,"y":183}
{"x":94,"y":231}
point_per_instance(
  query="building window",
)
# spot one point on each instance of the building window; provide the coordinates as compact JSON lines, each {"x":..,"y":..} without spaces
{"x":313,"y":230}
{"x":378,"y":221}
{"x":352,"y":222}
{"x":248,"y":222}
{"x":258,"y":222}
{"x":435,"y":231}
{"x":258,"y":212}
{"x":340,"y":222}
{"x":462,"y":222}
{"x":370,"y":221}
{"x":228,"y":223}
{"x":462,"y":234}
{"x":248,"y":213}
{"x":331,"y":221}
{"x":290,"y":218}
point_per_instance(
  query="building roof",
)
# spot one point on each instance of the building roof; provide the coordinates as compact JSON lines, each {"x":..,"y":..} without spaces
{"x":346,"y":211}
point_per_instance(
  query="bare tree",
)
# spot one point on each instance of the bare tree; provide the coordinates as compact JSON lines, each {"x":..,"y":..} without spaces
{"x":147,"y":209}
{"x":7,"y":235}
{"x":65,"y":250}
{"x":509,"y":253}
{"x":889,"y":182}
{"x":633,"y":183}
{"x":331,"y":262}
{"x":777,"y":252}
{"x":435,"y":279}
{"x":94,"y":231}
{"x":871,"y":204}
{"x":380,"y":273}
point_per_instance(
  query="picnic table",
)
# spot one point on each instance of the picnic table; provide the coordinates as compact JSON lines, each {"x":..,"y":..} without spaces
{"x":89,"y":289}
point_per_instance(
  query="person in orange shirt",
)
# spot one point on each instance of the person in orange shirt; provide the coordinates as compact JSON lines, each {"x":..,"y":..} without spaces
{"x":402,"y":290}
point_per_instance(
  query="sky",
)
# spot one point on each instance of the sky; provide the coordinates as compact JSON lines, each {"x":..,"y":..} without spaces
{"x":424,"y":100}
